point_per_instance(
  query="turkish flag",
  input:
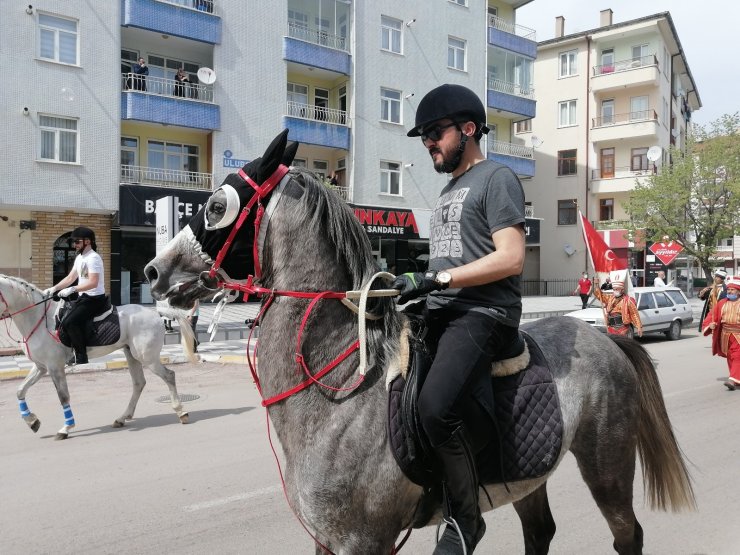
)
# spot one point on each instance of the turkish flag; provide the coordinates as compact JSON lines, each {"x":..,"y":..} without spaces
{"x":602,"y":257}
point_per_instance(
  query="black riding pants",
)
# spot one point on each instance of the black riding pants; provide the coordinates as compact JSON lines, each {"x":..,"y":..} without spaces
{"x":467,"y":342}
{"x":82,"y":311}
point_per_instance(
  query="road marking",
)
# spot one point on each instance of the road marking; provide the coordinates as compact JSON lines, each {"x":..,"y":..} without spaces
{"x":232,"y":499}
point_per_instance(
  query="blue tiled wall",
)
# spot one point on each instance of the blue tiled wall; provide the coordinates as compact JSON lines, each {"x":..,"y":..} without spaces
{"x":171,"y":20}
{"x":512,"y":103}
{"x":162,"y":109}
{"x":317,"y":133}
{"x":512,"y":43}
{"x":314,"y":55}
{"x":520,"y":166}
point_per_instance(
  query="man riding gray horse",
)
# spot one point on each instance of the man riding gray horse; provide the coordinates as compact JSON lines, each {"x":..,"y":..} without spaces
{"x":474,"y":305}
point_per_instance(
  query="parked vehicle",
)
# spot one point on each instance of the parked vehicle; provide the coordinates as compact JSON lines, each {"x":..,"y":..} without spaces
{"x":662,"y":310}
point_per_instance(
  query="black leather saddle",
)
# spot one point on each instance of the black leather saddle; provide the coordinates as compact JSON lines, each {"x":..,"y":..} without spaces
{"x":103,"y":329}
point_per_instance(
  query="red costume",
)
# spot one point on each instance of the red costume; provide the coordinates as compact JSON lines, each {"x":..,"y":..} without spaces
{"x":725,"y":329}
{"x":619,"y":312}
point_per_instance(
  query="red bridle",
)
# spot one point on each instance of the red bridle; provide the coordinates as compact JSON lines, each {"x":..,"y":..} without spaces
{"x":9,"y":314}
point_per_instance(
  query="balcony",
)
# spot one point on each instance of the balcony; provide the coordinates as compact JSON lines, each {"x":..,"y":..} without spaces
{"x":189,"y":19}
{"x":316,"y":48}
{"x":633,"y":72}
{"x":168,"y":102}
{"x":620,"y":180}
{"x":342,"y":191}
{"x":159,"y":177}
{"x":512,"y":37}
{"x":619,"y":126}
{"x":512,"y":99}
{"x":611,"y":224}
{"x":317,"y":125}
{"x":519,"y":158}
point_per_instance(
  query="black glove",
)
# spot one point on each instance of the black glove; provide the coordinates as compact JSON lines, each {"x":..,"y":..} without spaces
{"x":415,"y":284}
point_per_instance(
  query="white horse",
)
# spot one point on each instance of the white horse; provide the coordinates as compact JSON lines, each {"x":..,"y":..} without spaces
{"x":141,"y":338}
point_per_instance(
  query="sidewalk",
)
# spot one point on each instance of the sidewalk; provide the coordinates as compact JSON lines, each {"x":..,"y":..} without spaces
{"x":230,"y":342}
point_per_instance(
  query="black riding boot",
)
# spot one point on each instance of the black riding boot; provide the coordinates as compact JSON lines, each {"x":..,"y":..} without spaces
{"x":77,"y":338}
{"x":461,"y":496}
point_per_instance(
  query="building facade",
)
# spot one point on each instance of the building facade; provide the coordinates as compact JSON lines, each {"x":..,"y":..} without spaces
{"x":93,"y":142}
{"x":611,"y":101}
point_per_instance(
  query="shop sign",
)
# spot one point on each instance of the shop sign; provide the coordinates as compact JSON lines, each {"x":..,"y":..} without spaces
{"x":389,"y":223}
{"x":666,"y":250}
{"x":137,"y":204}
{"x":231,"y":162}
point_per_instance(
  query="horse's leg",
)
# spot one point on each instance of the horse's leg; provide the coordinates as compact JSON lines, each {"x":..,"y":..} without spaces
{"x":168,"y":376}
{"x":30,"y":418}
{"x":139,"y":381}
{"x":59,"y":378}
{"x":607,"y":465}
{"x":538,"y":525}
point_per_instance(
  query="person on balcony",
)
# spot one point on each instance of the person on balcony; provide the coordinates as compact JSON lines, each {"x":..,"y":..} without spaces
{"x":182,"y":83}
{"x":140,"y":70}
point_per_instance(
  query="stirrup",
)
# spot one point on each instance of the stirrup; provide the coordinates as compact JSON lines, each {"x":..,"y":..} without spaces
{"x":452,"y":522}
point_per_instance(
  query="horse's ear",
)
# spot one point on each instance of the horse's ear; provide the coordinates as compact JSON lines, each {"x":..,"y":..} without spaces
{"x":290,"y":153}
{"x":273,"y":156}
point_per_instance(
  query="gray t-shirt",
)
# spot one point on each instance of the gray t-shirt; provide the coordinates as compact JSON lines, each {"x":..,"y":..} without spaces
{"x":486,"y":198}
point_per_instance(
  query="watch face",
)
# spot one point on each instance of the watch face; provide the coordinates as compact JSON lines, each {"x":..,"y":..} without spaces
{"x":444,"y":278}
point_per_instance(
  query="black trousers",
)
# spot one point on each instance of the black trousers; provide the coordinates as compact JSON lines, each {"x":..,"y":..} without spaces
{"x":460,"y":374}
{"x":82,"y":311}
{"x":584,"y":299}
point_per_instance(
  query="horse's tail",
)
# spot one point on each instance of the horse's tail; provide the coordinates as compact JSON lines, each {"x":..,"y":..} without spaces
{"x":664,"y":473}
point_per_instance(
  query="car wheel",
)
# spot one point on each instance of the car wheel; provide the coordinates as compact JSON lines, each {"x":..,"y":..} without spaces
{"x":630,"y":332}
{"x":674,"y":332}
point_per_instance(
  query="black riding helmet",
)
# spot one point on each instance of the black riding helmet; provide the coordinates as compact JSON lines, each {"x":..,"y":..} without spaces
{"x":84,"y":233}
{"x":449,"y":101}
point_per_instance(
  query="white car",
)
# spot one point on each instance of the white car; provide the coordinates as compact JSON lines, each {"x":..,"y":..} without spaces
{"x":662,"y":310}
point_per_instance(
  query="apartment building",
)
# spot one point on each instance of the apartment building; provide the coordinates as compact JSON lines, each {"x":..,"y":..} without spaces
{"x":92,"y":142}
{"x":611,"y":101}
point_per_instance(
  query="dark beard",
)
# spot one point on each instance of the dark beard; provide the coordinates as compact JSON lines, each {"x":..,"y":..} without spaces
{"x":450,"y":163}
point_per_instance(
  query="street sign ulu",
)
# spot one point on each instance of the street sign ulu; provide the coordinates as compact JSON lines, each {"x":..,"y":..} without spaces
{"x":666,"y":251}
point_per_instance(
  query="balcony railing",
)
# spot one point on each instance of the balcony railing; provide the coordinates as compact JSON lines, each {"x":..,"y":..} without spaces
{"x":623,"y":171}
{"x":611,"y":224}
{"x":510,"y":88}
{"x":511,"y":28}
{"x":301,"y":32}
{"x":167,"y":87}
{"x":625,"y":65}
{"x":176,"y":179}
{"x":341,"y":190}
{"x":199,"y":5}
{"x":316,"y":113}
{"x":629,"y":117}
{"x":511,"y":149}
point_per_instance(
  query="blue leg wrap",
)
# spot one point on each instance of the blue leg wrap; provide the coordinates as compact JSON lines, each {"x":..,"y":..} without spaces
{"x":69,"y":419}
{"x":24,"y":407}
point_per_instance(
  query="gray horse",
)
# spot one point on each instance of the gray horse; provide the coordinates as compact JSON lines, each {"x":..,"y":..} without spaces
{"x":142,"y":338}
{"x":342,"y":480}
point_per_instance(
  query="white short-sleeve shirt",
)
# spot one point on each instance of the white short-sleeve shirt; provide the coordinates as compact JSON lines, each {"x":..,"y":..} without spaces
{"x":90,"y":263}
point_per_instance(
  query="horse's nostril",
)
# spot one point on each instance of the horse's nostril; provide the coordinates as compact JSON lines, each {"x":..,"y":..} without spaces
{"x":151,"y":274}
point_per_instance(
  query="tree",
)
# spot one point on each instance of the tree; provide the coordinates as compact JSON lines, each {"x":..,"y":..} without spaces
{"x":695,"y":199}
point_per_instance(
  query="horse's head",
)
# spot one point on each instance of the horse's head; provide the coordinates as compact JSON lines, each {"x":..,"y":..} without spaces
{"x":187,"y":268}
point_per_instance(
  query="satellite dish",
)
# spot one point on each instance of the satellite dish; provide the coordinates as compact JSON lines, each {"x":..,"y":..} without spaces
{"x":536,"y":141}
{"x":654,"y":153}
{"x":206,"y":76}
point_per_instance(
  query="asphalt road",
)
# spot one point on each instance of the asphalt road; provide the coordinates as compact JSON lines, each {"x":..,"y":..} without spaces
{"x":211,"y":486}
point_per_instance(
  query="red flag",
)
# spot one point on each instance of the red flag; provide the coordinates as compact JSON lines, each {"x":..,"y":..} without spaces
{"x":602,"y":257}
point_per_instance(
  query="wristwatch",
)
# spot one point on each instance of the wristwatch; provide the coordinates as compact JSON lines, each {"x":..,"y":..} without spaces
{"x":443,"y":278}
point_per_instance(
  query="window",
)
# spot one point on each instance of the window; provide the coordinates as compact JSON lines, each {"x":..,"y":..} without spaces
{"x":390,"y":105}
{"x":58,"y":39}
{"x":129,"y":151}
{"x":662,"y":300}
{"x":607,"y":112}
{"x":321,"y":168}
{"x":460,"y":2}
{"x":390,"y":178}
{"x":297,"y":100}
{"x":567,"y":211}
{"x":493,"y":10}
{"x":390,"y":34}
{"x":639,"y":159}
{"x":456,"y":53}
{"x":172,"y":156}
{"x":639,"y":107}
{"x":606,"y":209}
{"x":568,"y":64}
{"x":639,"y":52}
{"x":58,"y":139}
{"x":524,"y":126}
{"x":665,"y":112}
{"x":567,"y":113}
{"x":677,"y":297}
{"x":646,"y":301}
{"x":321,"y":103}
{"x":567,"y":162}
{"x":299,"y":163}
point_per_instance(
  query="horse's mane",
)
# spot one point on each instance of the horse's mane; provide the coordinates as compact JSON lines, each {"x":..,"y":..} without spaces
{"x":19,"y":283}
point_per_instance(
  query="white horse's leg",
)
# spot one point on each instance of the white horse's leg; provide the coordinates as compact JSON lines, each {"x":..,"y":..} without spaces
{"x":169,"y":378}
{"x":59,"y":378}
{"x":139,"y":381}
{"x":30,"y":418}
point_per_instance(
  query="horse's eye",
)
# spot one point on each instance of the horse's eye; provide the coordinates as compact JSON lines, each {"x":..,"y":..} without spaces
{"x":217,"y":208}
{"x":221,"y":208}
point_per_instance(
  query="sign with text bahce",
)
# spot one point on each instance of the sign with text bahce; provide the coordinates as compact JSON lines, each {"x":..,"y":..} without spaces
{"x":666,"y":250}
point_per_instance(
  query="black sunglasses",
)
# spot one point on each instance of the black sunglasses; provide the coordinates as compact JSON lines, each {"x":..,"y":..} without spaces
{"x":78,"y":240}
{"x":435,"y":133}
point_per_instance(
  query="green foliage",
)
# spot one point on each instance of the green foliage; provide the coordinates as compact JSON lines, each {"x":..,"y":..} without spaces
{"x":696,"y":198}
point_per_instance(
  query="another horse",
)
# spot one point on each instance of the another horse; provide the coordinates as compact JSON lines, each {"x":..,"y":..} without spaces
{"x":341,"y":478}
{"x":141,"y":338}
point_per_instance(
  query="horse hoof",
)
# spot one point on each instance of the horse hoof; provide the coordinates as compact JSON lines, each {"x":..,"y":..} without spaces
{"x":118,"y":424}
{"x":60,"y":435}
{"x":184,"y":418}
{"x":35,"y":426}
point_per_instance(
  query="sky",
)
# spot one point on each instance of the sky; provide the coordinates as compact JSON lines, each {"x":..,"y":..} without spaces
{"x":706,"y":30}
